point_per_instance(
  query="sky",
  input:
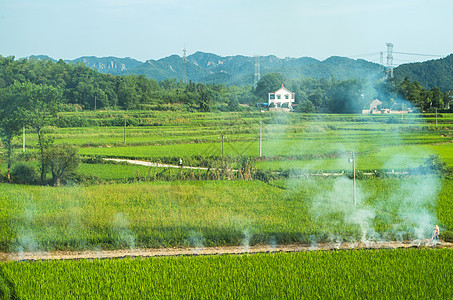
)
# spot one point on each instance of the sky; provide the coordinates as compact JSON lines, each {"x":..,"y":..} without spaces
{"x":154,"y":29}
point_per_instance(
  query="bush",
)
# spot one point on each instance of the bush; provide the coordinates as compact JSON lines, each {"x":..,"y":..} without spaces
{"x":446,"y":236}
{"x":24,"y":174}
{"x":97,"y":159}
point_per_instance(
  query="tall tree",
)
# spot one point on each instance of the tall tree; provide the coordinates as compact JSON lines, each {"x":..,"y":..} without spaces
{"x":269,"y":83}
{"x":204,"y":98}
{"x":62,"y":159}
{"x":11,"y":118}
{"x":42,"y":102}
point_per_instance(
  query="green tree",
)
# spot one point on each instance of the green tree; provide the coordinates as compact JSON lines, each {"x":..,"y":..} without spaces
{"x":269,"y":83}
{"x":62,"y":159}
{"x":437,"y":98}
{"x":306,"y":107}
{"x":41,"y":105}
{"x":205,"y":98}
{"x":11,"y":117}
{"x":346,"y":97}
{"x":233,"y":103}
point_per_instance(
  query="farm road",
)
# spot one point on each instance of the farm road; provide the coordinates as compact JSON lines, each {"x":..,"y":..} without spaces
{"x":128,"y":253}
{"x":151,"y":164}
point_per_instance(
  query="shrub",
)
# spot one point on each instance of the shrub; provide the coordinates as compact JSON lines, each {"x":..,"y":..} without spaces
{"x":24,"y":174}
{"x":447,"y":236}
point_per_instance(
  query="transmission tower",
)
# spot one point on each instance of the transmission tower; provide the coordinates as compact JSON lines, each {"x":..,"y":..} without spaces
{"x":257,"y":71}
{"x":389,"y":60}
{"x":184,"y":58}
{"x":381,"y":60}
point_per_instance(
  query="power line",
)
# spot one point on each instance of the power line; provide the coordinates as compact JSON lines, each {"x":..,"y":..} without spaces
{"x":365,"y":54}
{"x":415,"y":54}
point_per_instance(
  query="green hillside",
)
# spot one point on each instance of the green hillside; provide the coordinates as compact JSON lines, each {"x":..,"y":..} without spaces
{"x":429,"y":74}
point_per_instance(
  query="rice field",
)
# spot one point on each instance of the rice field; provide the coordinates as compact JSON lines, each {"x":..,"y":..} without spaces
{"x":353,"y":274}
{"x":124,"y":213}
{"x":314,"y":142}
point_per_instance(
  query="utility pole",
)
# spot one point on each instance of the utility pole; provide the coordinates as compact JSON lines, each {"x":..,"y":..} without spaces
{"x":260,"y":139}
{"x":436,"y":117}
{"x":352,"y":160}
{"x":125,"y":130}
{"x":223,"y":149}
{"x":23,"y":140}
{"x":94,"y":103}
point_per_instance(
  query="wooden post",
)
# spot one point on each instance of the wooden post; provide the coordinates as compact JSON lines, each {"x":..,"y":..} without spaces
{"x":436,"y":117}
{"x":223,"y":149}
{"x":353,"y":182}
{"x":260,"y":138}
{"x":23,"y":140}
{"x":124,"y":130}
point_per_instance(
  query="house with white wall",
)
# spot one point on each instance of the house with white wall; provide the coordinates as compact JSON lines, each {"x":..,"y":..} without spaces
{"x":281,"y":99}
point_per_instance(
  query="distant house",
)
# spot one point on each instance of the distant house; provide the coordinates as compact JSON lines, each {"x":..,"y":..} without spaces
{"x":281,"y":99}
{"x":374,"y":104}
{"x":376,"y":108}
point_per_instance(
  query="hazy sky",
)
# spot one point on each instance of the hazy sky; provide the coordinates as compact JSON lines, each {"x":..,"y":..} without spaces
{"x":153,"y":29}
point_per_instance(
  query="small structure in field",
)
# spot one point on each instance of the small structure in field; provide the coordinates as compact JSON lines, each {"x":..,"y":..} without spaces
{"x":282,"y":99}
{"x":376,"y":108}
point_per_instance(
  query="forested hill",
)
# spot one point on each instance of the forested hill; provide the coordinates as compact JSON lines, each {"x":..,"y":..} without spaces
{"x":429,"y":74}
{"x":230,"y":70}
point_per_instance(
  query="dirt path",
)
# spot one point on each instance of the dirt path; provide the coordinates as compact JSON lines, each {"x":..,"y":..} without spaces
{"x":151,"y":164}
{"x":104,"y":254}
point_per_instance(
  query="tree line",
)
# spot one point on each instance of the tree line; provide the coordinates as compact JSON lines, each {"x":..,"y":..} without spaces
{"x":35,"y":106}
{"x":81,"y":87}
{"x":84,"y":88}
{"x":33,"y":91}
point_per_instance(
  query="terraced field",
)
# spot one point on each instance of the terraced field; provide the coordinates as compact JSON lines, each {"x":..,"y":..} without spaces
{"x":302,"y":192}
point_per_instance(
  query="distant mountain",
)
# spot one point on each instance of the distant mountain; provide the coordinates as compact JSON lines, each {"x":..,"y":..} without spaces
{"x":231,"y":70}
{"x":240,"y":70}
{"x":41,"y":57}
{"x":111,"y":65}
{"x":438,"y":72}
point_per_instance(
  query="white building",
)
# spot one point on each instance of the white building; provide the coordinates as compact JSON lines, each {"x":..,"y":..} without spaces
{"x":376,"y":108}
{"x":281,"y":99}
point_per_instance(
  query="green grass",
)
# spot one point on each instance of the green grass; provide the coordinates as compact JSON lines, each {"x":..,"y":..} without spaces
{"x":354,"y":274}
{"x":117,"y":172}
{"x":87,"y":216}
{"x":318,"y":141}
{"x":163,"y":214}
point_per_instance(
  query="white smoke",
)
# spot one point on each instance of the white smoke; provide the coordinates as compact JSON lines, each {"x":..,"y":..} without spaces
{"x":246,"y":241}
{"x":196,"y":240}
{"x":120,"y":229}
{"x":335,"y":209}
{"x":26,"y":240}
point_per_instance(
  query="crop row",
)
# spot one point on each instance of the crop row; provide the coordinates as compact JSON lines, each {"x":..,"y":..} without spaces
{"x":354,"y":274}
